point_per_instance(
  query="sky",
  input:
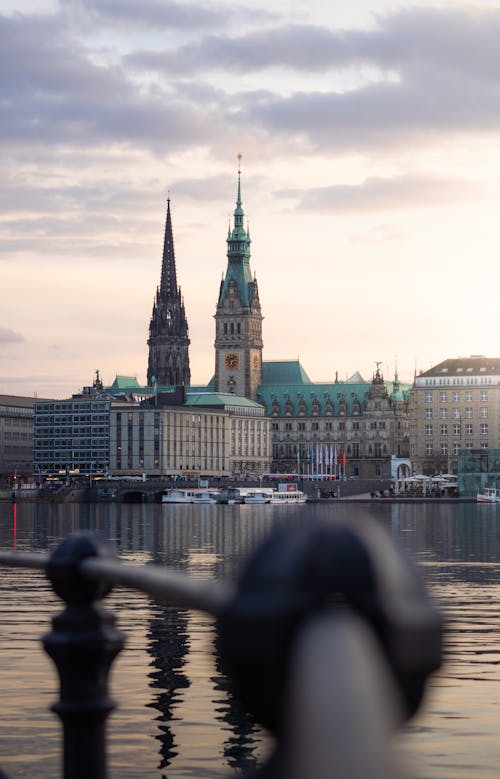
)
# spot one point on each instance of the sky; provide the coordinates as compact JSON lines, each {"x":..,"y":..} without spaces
{"x":370,"y":143}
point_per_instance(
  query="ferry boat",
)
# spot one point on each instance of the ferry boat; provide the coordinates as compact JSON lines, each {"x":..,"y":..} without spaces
{"x":195,"y":495}
{"x":257,"y":497}
{"x":490,"y":495}
{"x":288,"y":494}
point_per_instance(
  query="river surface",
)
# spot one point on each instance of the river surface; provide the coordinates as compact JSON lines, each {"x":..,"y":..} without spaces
{"x":177,"y":716}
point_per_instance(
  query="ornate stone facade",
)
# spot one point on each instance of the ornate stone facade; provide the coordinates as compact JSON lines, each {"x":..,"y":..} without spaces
{"x":353,"y":428}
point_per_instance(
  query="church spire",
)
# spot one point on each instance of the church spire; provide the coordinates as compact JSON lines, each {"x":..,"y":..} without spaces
{"x":168,"y":341}
{"x":168,"y":284}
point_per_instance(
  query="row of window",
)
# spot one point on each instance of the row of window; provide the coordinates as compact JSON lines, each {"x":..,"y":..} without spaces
{"x":456,"y":429}
{"x":353,"y":450}
{"x":455,"y":448}
{"x":455,"y":396}
{"x":456,"y":413}
{"x":70,"y":419}
{"x":49,"y":408}
{"x":17,"y":410}
{"x":15,"y":421}
{"x":429,"y":382}
{"x":303,"y":426}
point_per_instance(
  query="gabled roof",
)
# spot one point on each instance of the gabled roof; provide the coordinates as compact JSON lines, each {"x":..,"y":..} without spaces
{"x":476,"y":364}
{"x":124,"y":383}
{"x":308,"y":393}
{"x":284,"y":372}
{"x":356,"y":378}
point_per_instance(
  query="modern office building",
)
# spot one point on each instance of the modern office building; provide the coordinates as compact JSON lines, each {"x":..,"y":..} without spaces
{"x":17,"y":416}
{"x":454,"y":409}
{"x":71,"y":437}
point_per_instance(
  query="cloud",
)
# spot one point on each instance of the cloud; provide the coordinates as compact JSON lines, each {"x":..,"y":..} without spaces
{"x":463,"y":40}
{"x":165,"y":14}
{"x":8,"y":336}
{"x":418,"y":73}
{"x":377,"y":193}
{"x":159,"y":15}
{"x":52,"y":92}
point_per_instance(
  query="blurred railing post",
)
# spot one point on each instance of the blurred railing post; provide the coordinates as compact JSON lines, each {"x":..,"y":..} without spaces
{"x":83,"y":644}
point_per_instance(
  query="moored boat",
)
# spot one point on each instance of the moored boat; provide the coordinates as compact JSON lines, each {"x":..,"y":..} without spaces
{"x":490,"y":495}
{"x":196,"y":495}
{"x":257,"y":497}
{"x":287,"y":494}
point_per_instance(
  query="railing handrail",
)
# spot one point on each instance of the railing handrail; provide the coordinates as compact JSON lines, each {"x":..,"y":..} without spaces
{"x":34,"y":560}
{"x":321,"y":612}
{"x":163,"y":583}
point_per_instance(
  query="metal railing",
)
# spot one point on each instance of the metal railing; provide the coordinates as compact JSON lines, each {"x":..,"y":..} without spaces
{"x":329,"y":638}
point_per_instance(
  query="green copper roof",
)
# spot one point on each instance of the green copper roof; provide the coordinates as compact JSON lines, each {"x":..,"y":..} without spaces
{"x":284,"y":372}
{"x":219,"y":399}
{"x":238,"y":256}
{"x":124,"y":383}
{"x":306,"y":396}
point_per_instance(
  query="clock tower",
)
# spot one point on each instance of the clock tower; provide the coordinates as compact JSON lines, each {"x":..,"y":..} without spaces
{"x":238,"y":318}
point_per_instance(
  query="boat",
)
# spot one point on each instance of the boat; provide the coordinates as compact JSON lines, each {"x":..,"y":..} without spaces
{"x":287,"y":494}
{"x":490,"y":495}
{"x":195,"y":495}
{"x":256,"y":497}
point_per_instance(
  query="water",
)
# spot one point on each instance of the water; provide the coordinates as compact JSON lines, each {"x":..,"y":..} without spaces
{"x":177,"y":716}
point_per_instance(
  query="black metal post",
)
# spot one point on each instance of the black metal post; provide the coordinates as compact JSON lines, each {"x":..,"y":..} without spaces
{"x":83,"y":644}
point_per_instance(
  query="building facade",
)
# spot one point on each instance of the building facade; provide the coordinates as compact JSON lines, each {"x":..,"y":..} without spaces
{"x":168,"y":342}
{"x":238,"y":317}
{"x":71,"y":437}
{"x":353,"y":428}
{"x":454,"y":409}
{"x":17,"y":415}
{"x":210,"y":434}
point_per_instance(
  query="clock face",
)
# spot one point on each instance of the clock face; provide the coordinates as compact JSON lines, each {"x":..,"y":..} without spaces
{"x":231,"y":361}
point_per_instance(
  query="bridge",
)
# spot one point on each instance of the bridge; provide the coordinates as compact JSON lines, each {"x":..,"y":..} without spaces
{"x":150,"y":490}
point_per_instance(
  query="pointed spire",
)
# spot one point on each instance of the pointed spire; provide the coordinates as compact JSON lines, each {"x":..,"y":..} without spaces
{"x":168,"y":330}
{"x":168,"y":284}
{"x":238,"y":211}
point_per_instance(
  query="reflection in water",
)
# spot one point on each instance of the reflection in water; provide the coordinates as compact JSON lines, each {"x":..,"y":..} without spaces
{"x":168,"y":646}
{"x":171,"y":688}
{"x":243,"y":735}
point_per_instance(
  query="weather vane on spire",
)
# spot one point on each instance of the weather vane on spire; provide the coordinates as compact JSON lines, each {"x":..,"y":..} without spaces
{"x":239,"y":163}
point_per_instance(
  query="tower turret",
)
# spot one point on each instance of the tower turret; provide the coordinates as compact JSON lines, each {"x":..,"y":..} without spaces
{"x":238,"y":318}
{"x":168,"y":340}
